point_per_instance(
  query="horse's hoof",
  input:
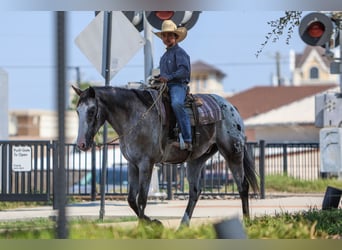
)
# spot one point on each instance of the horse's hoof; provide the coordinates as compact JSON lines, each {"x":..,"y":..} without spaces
{"x":149,"y":222}
{"x":157,"y":223}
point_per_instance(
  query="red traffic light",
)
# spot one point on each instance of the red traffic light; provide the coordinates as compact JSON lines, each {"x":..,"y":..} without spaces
{"x":185,"y":19}
{"x":156,"y":18}
{"x":316,"y":29}
{"x":164,"y":15}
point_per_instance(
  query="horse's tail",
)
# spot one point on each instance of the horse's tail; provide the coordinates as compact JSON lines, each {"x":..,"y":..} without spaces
{"x":250,"y":172}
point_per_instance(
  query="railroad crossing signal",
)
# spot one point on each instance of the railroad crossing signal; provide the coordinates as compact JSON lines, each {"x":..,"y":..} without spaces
{"x":185,"y":19}
{"x":317,"y":29}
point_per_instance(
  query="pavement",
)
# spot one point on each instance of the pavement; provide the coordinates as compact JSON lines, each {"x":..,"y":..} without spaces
{"x":171,"y":212}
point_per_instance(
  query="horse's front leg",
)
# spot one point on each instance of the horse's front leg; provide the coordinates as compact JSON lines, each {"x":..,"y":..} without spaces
{"x":145,"y":174}
{"x":133,"y":180}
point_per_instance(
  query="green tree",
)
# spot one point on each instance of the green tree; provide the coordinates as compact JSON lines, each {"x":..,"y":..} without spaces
{"x":284,"y":24}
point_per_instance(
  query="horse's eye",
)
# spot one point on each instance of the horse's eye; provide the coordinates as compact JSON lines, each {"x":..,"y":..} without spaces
{"x":91,"y":113}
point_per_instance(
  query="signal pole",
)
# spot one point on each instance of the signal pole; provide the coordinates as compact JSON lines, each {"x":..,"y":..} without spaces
{"x":318,"y":29}
{"x":278,"y":68}
{"x":340,"y":59}
{"x":148,"y":48}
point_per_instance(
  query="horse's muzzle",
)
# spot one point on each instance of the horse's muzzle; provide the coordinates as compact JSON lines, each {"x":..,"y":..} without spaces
{"x":83,"y":146}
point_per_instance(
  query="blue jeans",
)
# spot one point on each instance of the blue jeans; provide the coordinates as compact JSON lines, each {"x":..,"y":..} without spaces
{"x":177,"y":93}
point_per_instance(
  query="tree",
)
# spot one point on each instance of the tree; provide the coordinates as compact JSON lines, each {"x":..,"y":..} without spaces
{"x":286,"y":23}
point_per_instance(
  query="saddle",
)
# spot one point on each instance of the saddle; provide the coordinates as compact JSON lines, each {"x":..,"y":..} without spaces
{"x":201,"y":108}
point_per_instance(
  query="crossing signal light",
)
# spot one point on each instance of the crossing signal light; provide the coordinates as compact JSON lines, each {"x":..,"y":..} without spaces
{"x":136,"y":18}
{"x":317,"y":29}
{"x":185,"y":19}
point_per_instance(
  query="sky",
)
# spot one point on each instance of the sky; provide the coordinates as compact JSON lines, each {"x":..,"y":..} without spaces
{"x":227,"y":40}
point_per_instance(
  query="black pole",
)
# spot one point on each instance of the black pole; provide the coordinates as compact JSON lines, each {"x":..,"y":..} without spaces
{"x":262,"y":168}
{"x":107,"y":34}
{"x":93,"y":173}
{"x":62,"y":231}
{"x":285,"y":159}
{"x":169,"y":181}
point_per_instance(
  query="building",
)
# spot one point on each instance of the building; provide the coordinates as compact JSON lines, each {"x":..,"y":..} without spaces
{"x":206,"y":79}
{"x":41,"y":125}
{"x":287,"y":113}
{"x":281,"y":113}
{"x":311,"y":67}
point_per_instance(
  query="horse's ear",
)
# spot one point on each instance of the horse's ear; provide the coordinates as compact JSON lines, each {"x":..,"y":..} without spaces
{"x":77,"y":90}
{"x":91,"y":92}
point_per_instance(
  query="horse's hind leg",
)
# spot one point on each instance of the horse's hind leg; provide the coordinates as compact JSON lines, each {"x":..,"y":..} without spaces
{"x":236,"y":167}
{"x":234,"y":156}
{"x":193,"y":175}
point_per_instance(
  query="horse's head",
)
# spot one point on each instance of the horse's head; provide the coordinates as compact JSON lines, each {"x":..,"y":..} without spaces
{"x":90,"y":118}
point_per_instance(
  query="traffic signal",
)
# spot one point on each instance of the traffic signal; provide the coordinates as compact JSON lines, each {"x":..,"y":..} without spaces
{"x":317,"y":29}
{"x":185,"y":19}
{"x":136,"y":18}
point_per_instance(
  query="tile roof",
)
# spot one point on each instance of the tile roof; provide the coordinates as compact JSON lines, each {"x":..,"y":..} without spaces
{"x":261,"y":99}
{"x":200,"y":66}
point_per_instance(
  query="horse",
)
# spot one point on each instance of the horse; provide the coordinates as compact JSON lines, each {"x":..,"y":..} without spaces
{"x":144,"y":141}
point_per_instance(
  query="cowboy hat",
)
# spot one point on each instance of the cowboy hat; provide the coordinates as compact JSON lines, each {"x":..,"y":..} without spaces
{"x":170,"y":26}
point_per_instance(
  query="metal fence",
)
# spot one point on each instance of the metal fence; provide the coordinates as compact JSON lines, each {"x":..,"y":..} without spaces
{"x":36,"y":180}
{"x":26,"y":170}
{"x":297,"y":160}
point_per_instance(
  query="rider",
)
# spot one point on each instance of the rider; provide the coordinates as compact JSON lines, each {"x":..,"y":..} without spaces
{"x":175,"y":71}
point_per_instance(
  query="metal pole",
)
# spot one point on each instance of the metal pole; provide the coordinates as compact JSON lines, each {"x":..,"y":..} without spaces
{"x":93,"y":173}
{"x":107,"y":34}
{"x":169,"y":181}
{"x":278,"y":68}
{"x":62,"y":232}
{"x":262,"y":168}
{"x":148,"y":48}
{"x":340,"y":30}
{"x":285,"y":159}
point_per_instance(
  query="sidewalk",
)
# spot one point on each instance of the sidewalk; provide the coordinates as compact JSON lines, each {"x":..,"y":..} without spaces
{"x":171,"y":212}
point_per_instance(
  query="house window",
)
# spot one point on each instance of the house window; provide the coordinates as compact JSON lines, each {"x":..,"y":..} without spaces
{"x":314,"y":73}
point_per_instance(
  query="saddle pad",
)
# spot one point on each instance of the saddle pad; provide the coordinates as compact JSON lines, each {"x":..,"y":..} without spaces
{"x":209,"y":112}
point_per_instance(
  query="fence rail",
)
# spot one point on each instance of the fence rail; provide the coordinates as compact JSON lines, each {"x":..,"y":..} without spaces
{"x":298,"y":160}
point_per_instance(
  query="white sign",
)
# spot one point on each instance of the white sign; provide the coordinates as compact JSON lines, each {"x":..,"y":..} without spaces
{"x":125,"y":42}
{"x":21,"y":158}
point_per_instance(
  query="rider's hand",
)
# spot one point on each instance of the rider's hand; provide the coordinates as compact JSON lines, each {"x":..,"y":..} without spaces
{"x":162,"y":79}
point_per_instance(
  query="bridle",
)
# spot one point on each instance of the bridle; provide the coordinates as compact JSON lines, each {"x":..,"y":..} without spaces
{"x":141,"y":118}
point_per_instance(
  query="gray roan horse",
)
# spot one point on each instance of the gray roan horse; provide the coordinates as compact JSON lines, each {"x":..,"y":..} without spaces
{"x":144,"y":142}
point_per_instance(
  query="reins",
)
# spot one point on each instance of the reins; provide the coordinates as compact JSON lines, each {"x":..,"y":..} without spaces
{"x":142,"y":117}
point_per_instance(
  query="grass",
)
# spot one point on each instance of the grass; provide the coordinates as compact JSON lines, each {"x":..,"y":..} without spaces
{"x":280,"y":183}
{"x":312,"y":224}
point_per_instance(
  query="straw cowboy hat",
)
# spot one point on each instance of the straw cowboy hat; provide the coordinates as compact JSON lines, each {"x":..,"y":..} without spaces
{"x":170,"y":26}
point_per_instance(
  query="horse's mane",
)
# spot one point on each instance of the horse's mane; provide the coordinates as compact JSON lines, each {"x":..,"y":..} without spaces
{"x":143,"y":95}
